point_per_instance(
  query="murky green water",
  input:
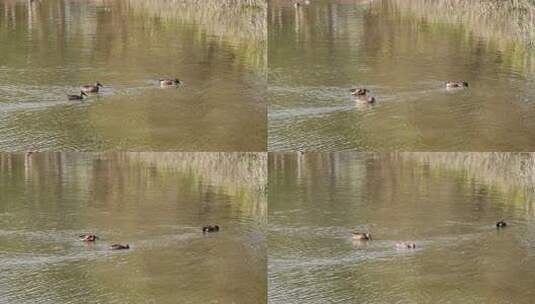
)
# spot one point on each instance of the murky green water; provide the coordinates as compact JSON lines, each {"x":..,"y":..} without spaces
{"x":318,"y":52}
{"x":158,"y":208}
{"x":317,"y":200}
{"x":50,"y":48}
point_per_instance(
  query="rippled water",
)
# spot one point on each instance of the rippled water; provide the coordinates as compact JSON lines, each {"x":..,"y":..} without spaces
{"x":320,"y":51}
{"x":317,"y":200}
{"x":50,"y":48}
{"x":48,"y":200}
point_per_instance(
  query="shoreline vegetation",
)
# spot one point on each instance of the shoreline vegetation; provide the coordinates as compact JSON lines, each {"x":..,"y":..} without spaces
{"x":238,"y":23}
{"x":499,"y":19}
{"x":512,"y":173}
{"x":507,"y":24}
{"x":241,"y":23}
{"x":241,"y":174}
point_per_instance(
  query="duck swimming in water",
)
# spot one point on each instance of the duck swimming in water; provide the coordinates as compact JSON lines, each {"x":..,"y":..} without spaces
{"x":403,"y":245}
{"x":359,"y":236}
{"x":299,"y":3}
{"x":119,"y":247}
{"x":366,"y":99}
{"x":92,"y":88}
{"x":361,"y":94}
{"x":210,"y":228}
{"x":88,"y":237}
{"x":166,"y":83}
{"x":77,"y":97}
{"x":501,"y":224}
{"x":456,"y":84}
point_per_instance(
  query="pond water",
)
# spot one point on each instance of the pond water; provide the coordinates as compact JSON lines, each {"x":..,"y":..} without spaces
{"x":317,"y":200}
{"x":403,"y":54}
{"x":50,"y":48}
{"x":157,"y":208}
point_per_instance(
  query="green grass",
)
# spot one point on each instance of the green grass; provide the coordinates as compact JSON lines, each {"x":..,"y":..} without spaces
{"x":512,"y":173}
{"x":241,"y":23}
{"x":499,"y":19}
{"x":243,"y":175}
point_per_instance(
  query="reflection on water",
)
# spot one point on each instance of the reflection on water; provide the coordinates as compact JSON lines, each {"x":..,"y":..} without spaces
{"x":50,"y":48}
{"x":318,"y":52}
{"x":317,"y":200}
{"x":49,"y":199}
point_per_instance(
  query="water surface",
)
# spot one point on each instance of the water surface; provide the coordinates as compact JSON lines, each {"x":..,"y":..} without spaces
{"x":158,"y":208}
{"x":50,"y":48}
{"x":317,"y":200}
{"x":403,"y":54}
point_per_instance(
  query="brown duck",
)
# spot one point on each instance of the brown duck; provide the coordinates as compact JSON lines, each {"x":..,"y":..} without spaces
{"x":88,"y":237}
{"x":361,"y":94}
{"x":77,"y":97}
{"x":119,"y":247}
{"x":210,"y":228}
{"x":165,"y":83}
{"x":456,"y":84}
{"x":362,"y":236}
{"x":92,"y":88}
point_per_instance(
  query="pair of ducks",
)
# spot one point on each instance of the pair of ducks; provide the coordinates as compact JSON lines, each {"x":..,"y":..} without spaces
{"x":92,"y":238}
{"x":361,"y":93}
{"x":362,"y":236}
{"x":94,"y":88}
{"x":89,"y":88}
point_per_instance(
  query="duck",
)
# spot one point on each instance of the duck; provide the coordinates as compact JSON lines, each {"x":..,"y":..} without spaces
{"x":88,"y":237}
{"x":77,"y":97}
{"x":299,"y":3}
{"x":362,"y":236}
{"x":92,"y":88}
{"x":210,"y":228}
{"x":165,"y":83}
{"x":366,"y":99}
{"x":501,"y":224}
{"x":456,"y":84}
{"x":119,"y":247}
{"x":403,"y":245}
{"x":361,"y":95}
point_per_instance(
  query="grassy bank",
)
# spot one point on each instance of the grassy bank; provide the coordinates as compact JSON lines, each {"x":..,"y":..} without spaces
{"x":112,"y":175}
{"x":243,"y":175}
{"x":510,"y":24}
{"x":498,"y":19}
{"x":512,"y":173}
{"x":241,"y":23}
